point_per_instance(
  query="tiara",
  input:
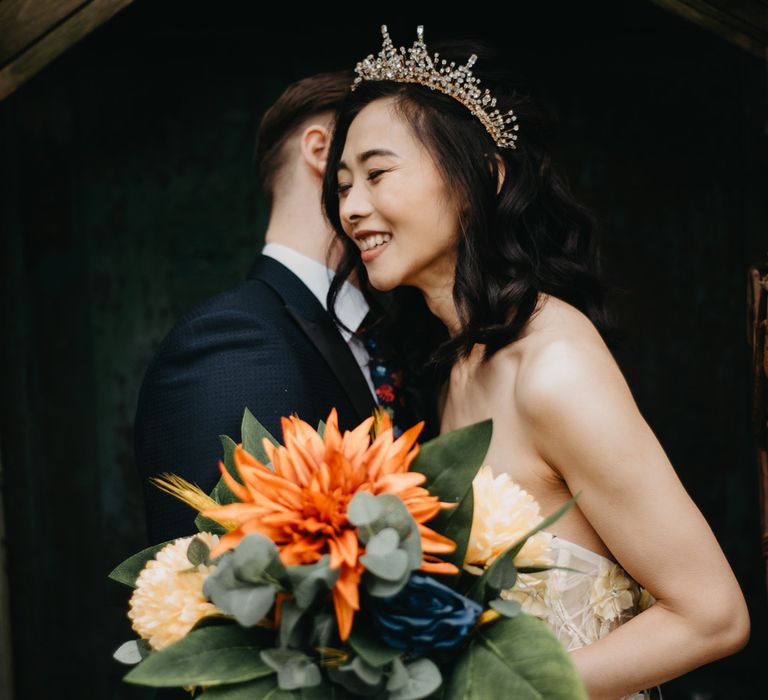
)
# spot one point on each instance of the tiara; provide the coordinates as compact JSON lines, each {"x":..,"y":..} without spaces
{"x":459,"y":82}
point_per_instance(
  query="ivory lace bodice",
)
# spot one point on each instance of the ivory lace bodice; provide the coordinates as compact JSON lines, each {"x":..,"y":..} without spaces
{"x":581,"y":607}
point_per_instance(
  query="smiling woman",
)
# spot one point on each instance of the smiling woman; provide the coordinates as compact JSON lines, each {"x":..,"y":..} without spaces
{"x":492,"y":264}
{"x":384,"y":190}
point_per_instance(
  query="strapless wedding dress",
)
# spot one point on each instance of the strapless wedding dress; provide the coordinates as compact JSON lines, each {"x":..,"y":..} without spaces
{"x":582,"y":607}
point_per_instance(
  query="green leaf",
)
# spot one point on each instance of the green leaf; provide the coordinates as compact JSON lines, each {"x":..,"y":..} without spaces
{"x":370,"y":649}
{"x":206,"y":656}
{"x":450,"y":461}
{"x":263,"y":688}
{"x":423,"y":679}
{"x":253,"y":432}
{"x":294,"y":668}
{"x":364,"y":509}
{"x":321,"y":428}
{"x":507,"y":607}
{"x":198,"y":552}
{"x":228,"y":445}
{"x":307,"y":580}
{"x":221,"y":493}
{"x":128,"y":653}
{"x":520,"y":655}
{"x":128,"y":571}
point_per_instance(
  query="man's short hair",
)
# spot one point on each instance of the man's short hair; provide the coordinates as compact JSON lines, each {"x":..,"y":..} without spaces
{"x":301,"y":100}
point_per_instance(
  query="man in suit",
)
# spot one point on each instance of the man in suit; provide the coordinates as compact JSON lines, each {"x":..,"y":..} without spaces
{"x":267,"y":344}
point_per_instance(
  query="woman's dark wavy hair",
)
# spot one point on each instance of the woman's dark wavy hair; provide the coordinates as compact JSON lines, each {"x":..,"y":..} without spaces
{"x":531,"y":237}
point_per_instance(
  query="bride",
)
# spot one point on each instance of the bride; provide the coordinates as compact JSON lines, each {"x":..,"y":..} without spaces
{"x":479,"y":234}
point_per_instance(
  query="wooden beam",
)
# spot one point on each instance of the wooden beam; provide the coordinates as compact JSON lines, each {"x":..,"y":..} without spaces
{"x":35,"y":32}
{"x":742,"y":22}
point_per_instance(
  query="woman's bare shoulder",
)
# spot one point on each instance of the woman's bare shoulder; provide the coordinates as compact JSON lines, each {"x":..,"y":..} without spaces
{"x":559,"y":344}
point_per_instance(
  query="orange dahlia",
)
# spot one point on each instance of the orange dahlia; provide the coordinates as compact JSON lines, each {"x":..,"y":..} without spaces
{"x":301,"y":505}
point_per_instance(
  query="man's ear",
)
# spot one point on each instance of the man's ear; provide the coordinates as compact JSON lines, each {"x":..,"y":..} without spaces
{"x":315,"y":141}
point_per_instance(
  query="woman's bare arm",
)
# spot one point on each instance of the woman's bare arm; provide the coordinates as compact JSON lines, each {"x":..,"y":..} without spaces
{"x":584,"y":422}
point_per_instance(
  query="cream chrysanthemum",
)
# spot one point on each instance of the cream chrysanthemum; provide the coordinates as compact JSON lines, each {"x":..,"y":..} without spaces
{"x":503,"y":513}
{"x":611,"y":592}
{"x":169,"y":599}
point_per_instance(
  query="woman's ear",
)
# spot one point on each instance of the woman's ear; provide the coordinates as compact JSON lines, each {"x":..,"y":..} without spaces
{"x":502,"y":172}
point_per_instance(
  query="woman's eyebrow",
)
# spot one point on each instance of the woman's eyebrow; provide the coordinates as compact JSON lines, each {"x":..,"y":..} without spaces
{"x":365,"y":155}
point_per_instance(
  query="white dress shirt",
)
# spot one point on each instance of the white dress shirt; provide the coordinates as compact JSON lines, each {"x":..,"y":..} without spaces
{"x":351,"y":305}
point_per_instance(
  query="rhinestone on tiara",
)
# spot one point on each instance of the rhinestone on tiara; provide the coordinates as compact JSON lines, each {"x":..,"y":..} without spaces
{"x":418,"y":67}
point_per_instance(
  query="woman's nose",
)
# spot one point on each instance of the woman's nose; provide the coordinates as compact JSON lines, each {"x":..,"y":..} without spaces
{"x":355,"y":205}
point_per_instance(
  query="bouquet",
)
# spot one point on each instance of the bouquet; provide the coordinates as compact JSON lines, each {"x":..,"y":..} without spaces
{"x":347,"y":566}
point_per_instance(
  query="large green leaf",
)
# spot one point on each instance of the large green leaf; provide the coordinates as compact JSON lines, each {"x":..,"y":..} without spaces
{"x":267,"y":689}
{"x":450,"y":463}
{"x":128,"y":571}
{"x":221,"y":493}
{"x":205,"y":656}
{"x":520,"y":655}
{"x":253,"y":432}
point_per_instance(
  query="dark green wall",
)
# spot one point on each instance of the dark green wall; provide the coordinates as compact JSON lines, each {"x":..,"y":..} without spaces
{"x":127,"y":196}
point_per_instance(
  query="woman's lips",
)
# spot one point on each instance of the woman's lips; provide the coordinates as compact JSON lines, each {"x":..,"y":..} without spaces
{"x":373,"y":253}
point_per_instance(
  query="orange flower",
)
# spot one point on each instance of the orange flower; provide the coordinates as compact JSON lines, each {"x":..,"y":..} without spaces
{"x":302,"y":505}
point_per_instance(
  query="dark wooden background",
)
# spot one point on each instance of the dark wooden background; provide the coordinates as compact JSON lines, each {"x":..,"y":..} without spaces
{"x":127,"y":195}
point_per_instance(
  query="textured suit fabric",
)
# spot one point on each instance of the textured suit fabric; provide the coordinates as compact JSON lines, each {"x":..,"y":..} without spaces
{"x":241,"y":348}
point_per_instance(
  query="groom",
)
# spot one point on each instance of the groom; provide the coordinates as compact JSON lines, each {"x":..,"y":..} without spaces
{"x":268,"y":343}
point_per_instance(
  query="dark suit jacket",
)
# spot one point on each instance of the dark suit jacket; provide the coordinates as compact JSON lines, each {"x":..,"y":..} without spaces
{"x":267,"y":344}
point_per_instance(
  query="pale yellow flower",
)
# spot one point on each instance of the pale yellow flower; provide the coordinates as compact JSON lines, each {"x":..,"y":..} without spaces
{"x":646,"y":600}
{"x":168,"y":600}
{"x":611,"y":592}
{"x":532,"y":592}
{"x":503,"y":513}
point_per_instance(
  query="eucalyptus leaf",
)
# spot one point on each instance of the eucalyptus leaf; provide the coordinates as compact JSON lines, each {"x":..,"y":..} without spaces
{"x":507,"y":607}
{"x":257,"y":559}
{"x":520,"y":655}
{"x":423,"y":679}
{"x":357,"y":677}
{"x":198,"y":552}
{"x":207,"y":656}
{"x":290,"y":627}
{"x":294,"y":668}
{"x":381,"y":588}
{"x":397,"y":676}
{"x":128,"y":653}
{"x":369,"y":647}
{"x":324,"y":631}
{"x":248,"y":602}
{"x":128,"y":571}
{"x":307,"y":580}
{"x":364,"y":509}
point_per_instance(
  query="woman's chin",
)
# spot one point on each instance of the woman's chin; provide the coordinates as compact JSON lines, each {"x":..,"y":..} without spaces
{"x":382,"y":283}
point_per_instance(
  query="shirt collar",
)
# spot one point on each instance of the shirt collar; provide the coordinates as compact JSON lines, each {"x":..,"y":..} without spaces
{"x":351,"y":306}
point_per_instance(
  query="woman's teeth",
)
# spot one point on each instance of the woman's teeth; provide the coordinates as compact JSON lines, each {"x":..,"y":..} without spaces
{"x":374,"y":241}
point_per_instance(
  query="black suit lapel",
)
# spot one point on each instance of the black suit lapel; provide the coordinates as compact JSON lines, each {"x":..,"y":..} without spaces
{"x":319,"y":328}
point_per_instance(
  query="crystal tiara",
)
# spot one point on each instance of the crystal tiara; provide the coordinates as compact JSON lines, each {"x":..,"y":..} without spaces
{"x":459,"y":82}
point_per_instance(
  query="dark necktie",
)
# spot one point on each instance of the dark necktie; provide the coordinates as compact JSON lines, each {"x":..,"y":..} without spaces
{"x":387,"y":382}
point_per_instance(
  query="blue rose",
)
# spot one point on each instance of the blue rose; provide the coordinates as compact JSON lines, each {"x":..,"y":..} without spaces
{"x":424,"y":615}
